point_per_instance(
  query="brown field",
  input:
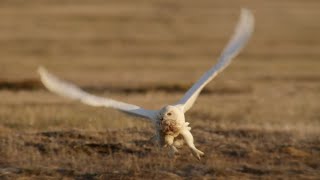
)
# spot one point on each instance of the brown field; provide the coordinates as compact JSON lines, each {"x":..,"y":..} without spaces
{"x":259,"y":119}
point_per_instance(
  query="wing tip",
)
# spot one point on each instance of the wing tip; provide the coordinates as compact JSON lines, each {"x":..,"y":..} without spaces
{"x":247,"y":17}
{"x":42,"y":70}
{"x":245,"y":10}
{"x":48,"y":80}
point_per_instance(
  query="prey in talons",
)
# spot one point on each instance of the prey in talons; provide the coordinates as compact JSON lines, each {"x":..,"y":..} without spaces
{"x":174,"y":131}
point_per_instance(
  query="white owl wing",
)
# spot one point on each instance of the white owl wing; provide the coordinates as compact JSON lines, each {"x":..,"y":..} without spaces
{"x":71,"y":91}
{"x":240,"y":37}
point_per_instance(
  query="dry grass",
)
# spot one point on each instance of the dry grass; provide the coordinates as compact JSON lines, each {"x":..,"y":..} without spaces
{"x":258,"y":119}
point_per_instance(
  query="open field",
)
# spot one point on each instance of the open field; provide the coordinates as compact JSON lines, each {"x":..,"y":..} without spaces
{"x":259,"y":119}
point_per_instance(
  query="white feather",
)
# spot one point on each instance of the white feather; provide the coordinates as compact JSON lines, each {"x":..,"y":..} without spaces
{"x":240,"y":37}
{"x":69,"y":90}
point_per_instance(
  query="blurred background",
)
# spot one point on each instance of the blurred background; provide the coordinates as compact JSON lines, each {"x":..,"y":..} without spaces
{"x":258,"y":119}
{"x":150,"y":48}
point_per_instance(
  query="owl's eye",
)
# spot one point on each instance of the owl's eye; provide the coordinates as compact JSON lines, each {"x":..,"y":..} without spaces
{"x":169,"y":114}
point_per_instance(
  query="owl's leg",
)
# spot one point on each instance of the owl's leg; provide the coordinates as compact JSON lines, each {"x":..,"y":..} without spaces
{"x":169,"y":139}
{"x":189,"y":141}
{"x":178,"y":142}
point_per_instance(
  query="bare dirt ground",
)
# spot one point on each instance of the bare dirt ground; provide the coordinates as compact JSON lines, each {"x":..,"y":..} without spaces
{"x":258,"y":120}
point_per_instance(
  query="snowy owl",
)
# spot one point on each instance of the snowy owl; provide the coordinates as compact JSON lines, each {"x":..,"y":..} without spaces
{"x":172,"y":130}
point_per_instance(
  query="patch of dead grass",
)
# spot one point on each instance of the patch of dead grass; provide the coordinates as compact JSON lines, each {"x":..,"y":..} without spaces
{"x":258,"y":119}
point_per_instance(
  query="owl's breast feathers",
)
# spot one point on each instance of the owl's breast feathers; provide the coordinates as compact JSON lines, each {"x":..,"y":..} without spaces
{"x":172,"y":127}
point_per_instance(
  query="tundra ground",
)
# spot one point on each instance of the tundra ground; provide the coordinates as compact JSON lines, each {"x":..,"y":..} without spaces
{"x":259,"y":119}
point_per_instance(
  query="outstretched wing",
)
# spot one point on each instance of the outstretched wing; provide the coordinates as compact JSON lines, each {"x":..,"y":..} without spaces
{"x":69,"y":90}
{"x":241,"y":35}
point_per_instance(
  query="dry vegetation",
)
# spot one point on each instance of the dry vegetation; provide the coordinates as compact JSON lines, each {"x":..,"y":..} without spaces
{"x":258,"y":119}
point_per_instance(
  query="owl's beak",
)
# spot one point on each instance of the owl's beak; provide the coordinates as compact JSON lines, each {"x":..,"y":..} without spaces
{"x":160,"y":117}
